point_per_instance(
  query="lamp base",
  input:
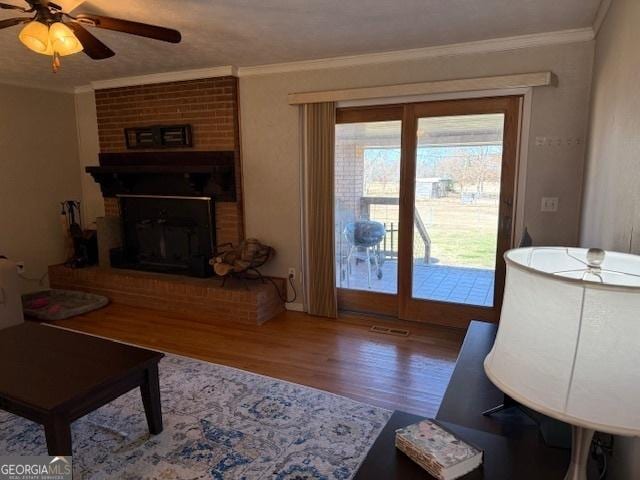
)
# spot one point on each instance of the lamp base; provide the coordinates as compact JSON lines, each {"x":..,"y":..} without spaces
{"x":580,"y":449}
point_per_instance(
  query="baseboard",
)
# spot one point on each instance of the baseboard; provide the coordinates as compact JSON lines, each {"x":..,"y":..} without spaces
{"x":295,"y":307}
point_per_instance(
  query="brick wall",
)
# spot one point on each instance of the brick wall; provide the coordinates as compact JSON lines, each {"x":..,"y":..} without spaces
{"x":350,"y":185}
{"x":349,"y":180}
{"x":111,"y":207}
{"x":209,"y":105}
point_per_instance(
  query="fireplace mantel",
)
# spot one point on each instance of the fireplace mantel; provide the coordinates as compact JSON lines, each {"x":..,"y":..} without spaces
{"x":167,"y":173}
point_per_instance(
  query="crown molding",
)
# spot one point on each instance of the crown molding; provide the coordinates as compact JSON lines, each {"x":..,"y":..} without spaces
{"x":483,"y":46}
{"x":179,"y":76}
{"x":478,"y":47}
{"x":601,"y":15}
{"x":83,"y":89}
{"x":38,"y":86}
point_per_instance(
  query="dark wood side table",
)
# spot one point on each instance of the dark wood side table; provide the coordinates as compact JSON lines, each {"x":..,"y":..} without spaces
{"x":53,"y":377}
{"x":513,"y":447}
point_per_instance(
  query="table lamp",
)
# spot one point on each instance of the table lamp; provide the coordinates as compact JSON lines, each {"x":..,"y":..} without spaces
{"x":568,"y":343}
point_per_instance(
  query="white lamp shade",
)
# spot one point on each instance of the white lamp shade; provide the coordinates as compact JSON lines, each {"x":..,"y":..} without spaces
{"x":568,"y":343}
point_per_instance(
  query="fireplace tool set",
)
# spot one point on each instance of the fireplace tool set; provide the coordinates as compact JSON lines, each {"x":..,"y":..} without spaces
{"x":81,"y":246}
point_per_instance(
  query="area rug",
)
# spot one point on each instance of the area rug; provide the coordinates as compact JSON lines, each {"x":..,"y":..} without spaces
{"x":219,"y":423}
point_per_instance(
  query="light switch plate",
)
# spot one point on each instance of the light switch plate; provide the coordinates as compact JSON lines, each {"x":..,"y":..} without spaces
{"x":549,"y":204}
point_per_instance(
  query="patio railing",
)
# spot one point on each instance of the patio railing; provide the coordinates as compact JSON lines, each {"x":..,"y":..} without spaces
{"x":386,"y":250}
{"x":389,"y":249}
{"x":365,"y":212}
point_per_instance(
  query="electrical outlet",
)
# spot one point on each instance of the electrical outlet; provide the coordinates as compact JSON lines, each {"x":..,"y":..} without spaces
{"x":20,"y":267}
{"x":549,"y":204}
{"x":292,"y":273}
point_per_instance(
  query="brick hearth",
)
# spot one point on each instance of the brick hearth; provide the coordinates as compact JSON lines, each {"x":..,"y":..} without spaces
{"x":201,"y":299}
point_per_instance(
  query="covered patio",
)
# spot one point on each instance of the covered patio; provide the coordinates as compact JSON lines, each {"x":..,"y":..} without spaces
{"x":455,"y":207}
{"x":470,"y":286}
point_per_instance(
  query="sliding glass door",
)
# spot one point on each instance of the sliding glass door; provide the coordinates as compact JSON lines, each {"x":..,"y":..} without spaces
{"x":367,"y":208}
{"x":424,"y":197}
{"x":456,"y":204}
{"x":459,"y":187}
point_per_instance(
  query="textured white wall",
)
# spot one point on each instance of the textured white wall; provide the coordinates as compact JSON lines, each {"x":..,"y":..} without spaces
{"x":270,"y":131}
{"x":38,"y":169}
{"x":611,"y":213}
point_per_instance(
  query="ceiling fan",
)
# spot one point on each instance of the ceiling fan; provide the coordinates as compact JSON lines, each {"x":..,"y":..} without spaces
{"x":50,"y":31}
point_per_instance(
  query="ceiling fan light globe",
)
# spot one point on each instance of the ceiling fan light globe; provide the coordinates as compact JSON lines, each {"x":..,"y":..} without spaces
{"x":49,"y":50}
{"x":35,"y":36}
{"x":63,"y":40}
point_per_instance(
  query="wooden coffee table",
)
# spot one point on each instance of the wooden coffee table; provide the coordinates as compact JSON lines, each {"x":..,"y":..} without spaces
{"x":53,"y":377}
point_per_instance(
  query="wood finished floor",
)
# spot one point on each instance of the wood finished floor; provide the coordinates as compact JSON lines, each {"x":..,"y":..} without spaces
{"x":340,"y":356}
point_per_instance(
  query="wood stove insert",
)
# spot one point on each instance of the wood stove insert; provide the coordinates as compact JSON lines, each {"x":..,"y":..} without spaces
{"x":167,"y":203}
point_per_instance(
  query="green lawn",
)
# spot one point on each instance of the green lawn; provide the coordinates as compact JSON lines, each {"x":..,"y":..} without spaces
{"x":463,"y":235}
{"x":461,"y":248}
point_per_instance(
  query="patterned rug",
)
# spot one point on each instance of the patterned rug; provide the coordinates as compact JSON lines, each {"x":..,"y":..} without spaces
{"x":219,"y":423}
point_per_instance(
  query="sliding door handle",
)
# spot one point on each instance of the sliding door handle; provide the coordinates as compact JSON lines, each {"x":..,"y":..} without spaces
{"x":505,"y":224}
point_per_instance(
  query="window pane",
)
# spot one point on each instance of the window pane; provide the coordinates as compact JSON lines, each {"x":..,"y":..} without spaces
{"x":367,"y":189}
{"x":457,"y":195}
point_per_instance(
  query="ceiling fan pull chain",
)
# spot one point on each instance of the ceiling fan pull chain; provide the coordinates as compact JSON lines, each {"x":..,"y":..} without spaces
{"x":55,"y":65}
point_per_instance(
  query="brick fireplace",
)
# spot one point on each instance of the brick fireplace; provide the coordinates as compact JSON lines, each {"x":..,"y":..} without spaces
{"x":209,"y":105}
{"x":167,"y":207}
{"x":131,"y":180}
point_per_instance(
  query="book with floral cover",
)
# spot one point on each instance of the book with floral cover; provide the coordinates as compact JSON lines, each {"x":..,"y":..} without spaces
{"x":437,"y":450}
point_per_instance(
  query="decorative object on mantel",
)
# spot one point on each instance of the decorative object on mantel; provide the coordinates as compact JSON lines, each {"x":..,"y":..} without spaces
{"x":437,"y":450}
{"x":242,"y":261}
{"x":219,"y":422}
{"x":50,"y":305}
{"x":50,"y":31}
{"x":158,"y":136}
{"x":567,"y":345}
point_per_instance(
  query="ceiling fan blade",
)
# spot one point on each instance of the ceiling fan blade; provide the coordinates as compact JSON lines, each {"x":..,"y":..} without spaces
{"x":10,"y":22}
{"x":134,"y":28}
{"x":6,"y":6}
{"x":93,"y":47}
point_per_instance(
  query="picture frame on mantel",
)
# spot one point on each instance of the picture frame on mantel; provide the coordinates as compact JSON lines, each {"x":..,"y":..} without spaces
{"x":158,"y":136}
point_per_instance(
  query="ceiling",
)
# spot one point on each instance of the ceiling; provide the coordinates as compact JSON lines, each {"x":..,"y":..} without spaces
{"x":259,"y":32}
